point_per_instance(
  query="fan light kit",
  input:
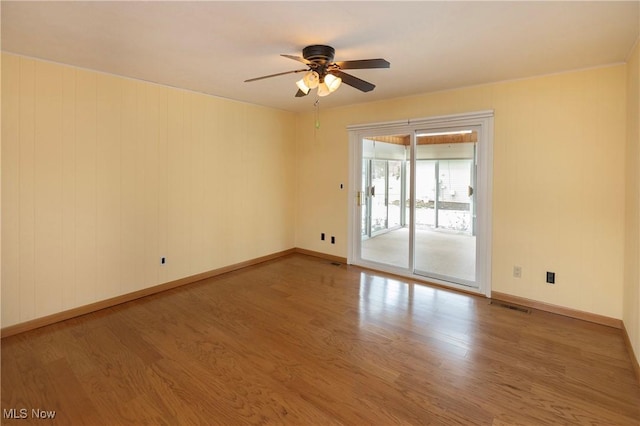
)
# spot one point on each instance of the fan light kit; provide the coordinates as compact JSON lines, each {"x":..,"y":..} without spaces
{"x":311,"y":80}
{"x":324,"y":74}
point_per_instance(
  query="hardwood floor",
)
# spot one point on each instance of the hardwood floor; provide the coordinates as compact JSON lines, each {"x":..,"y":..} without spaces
{"x":301,"y":341}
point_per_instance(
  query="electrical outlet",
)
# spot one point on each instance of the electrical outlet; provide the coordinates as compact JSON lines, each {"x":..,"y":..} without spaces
{"x":551,"y":277}
{"x":333,"y":239}
{"x":517,"y":272}
{"x":163,"y":260}
{"x":322,"y":236}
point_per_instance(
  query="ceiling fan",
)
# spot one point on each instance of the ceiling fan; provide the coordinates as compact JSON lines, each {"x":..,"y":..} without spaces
{"x":325,"y":74}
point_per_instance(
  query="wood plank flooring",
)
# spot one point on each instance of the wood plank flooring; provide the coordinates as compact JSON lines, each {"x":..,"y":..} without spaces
{"x":301,"y":341}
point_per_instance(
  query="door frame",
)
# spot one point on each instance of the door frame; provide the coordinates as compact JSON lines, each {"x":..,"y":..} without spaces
{"x":484,"y":185}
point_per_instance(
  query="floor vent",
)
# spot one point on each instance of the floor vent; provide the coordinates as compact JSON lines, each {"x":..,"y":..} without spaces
{"x":510,"y":306}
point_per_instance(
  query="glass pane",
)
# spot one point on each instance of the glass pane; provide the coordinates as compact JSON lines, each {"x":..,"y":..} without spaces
{"x":385,"y":234}
{"x":445,"y":242}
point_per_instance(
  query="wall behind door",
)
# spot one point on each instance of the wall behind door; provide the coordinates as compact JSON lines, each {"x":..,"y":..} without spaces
{"x":558,"y":180}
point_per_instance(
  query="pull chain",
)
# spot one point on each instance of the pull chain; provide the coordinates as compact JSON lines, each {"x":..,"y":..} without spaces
{"x":317,"y":113}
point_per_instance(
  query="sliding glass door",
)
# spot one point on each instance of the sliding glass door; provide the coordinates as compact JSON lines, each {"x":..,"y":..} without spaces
{"x":417,"y":203}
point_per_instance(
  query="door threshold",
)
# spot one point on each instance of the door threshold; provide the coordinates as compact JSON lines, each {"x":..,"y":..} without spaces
{"x":404,"y":274}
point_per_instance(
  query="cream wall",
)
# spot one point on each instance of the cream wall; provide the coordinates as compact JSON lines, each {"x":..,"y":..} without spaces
{"x":558,"y":182}
{"x":631,"y":308}
{"x":102,"y":176}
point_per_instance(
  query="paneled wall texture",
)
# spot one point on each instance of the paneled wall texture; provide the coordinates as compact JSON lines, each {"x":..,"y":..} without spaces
{"x":103,"y":176}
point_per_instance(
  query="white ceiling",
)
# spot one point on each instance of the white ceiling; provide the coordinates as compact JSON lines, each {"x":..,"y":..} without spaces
{"x":212,"y":47}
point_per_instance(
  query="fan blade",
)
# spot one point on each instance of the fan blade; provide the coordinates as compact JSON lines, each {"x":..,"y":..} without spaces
{"x":300,"y":93}
{"x":274,"y":75}
{"x":352,"y":81}
{"x":363,"y":64}
{"x":297,"y":58}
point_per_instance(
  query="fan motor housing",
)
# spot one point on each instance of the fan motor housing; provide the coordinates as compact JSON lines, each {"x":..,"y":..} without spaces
{"x":319,"y":54}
